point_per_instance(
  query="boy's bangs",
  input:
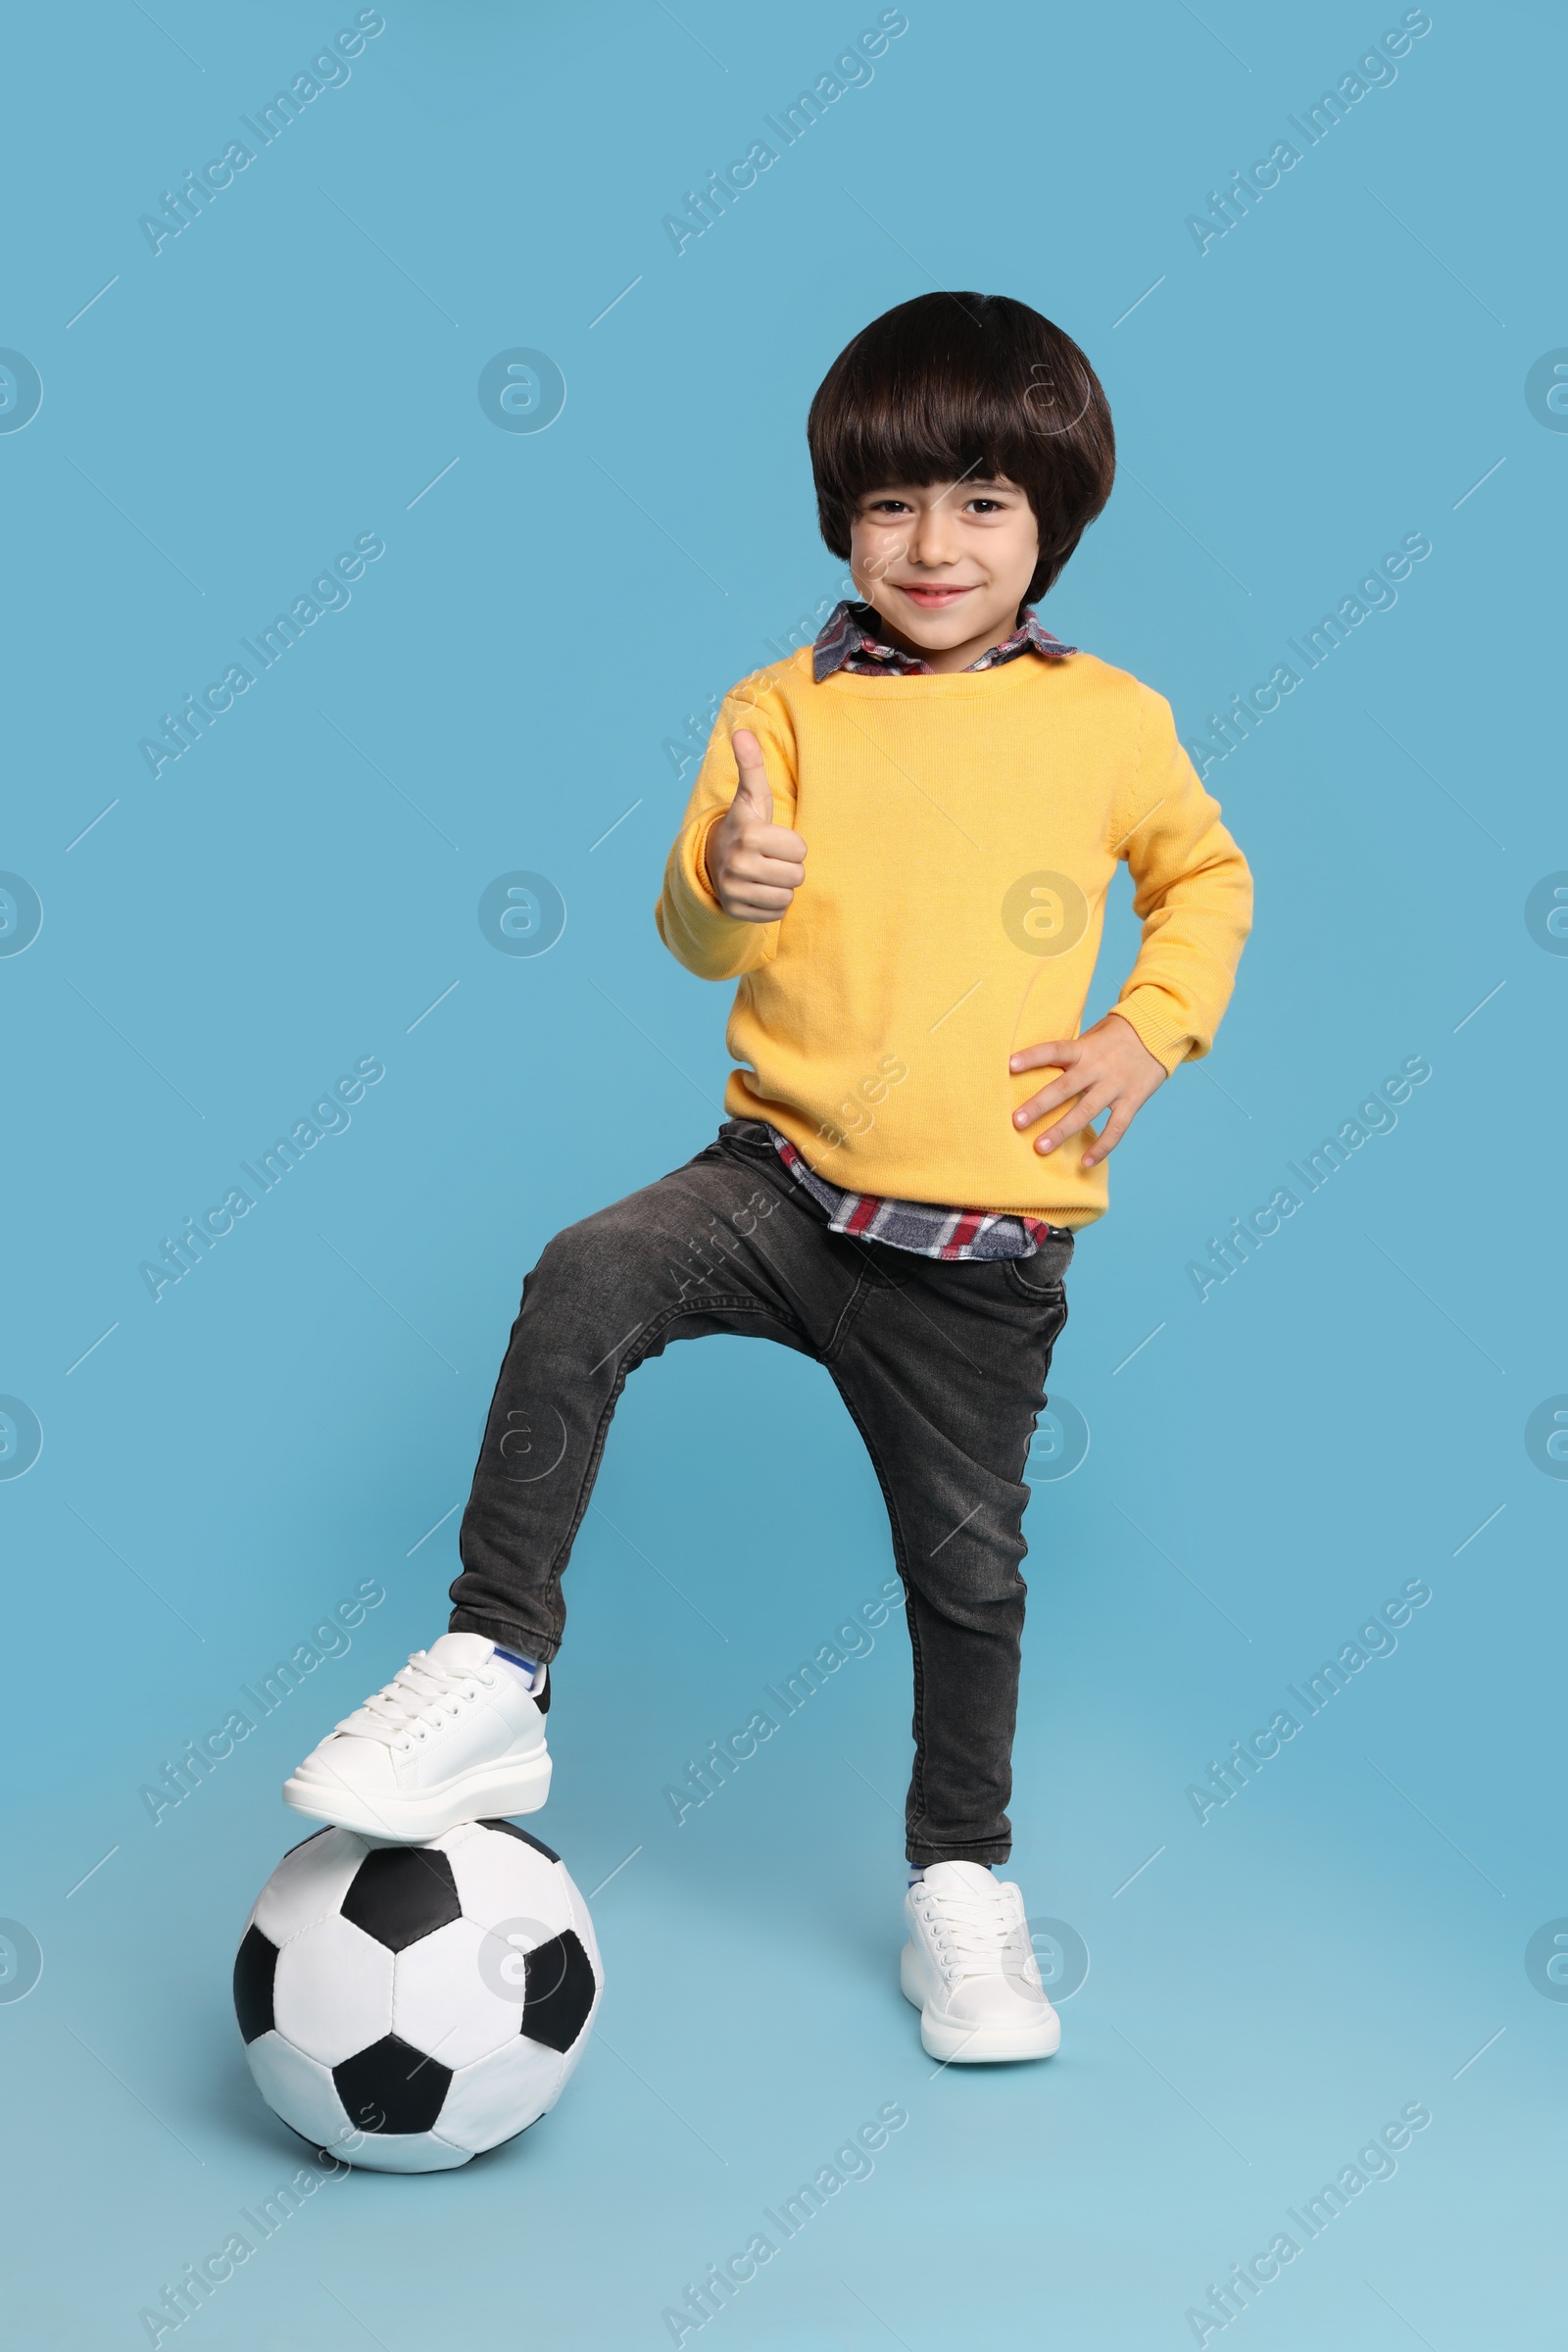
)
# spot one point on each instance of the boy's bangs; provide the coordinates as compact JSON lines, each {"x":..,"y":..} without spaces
{"x":937,"y":432}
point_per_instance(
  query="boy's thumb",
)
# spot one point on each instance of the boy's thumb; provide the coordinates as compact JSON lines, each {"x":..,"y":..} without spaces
{"x":753,"y":785}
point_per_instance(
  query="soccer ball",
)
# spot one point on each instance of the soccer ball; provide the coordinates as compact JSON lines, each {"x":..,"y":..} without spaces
{"x":409,"y":2006}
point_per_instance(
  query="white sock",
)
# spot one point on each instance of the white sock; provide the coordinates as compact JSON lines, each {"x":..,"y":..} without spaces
{"x":527,"y":1670}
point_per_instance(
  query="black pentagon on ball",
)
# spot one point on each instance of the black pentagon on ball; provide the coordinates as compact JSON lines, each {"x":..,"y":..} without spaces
{"x":402,"y":1893}
{"x":510,"y":1830}
{"x":558,"y":1990}
{"x":391,"y":2087}
{"x":255,"y":1966}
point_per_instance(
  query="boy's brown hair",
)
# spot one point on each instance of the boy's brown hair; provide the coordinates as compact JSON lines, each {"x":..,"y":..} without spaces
{"x":956,"y":384}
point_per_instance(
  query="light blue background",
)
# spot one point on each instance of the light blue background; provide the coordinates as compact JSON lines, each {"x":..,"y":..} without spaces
{"x":292,"y":372}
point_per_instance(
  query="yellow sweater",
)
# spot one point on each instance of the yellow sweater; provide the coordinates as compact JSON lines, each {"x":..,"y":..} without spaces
{"x":962,"y":831}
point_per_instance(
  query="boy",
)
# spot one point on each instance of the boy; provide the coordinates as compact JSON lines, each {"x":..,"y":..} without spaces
{"x":899,"y":844}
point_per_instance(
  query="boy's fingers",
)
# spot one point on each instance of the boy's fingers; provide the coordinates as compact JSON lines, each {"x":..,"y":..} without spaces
{"x":752,"y":883}
{"x":1082,"y":1115}
{"x":1048,"y":1098}
{"x":753,"y":785}
{"x":777,"y":841}
{"x":1059,"y":1052}
{"x":754,"y":903}
{"x":1111,"y":1133}
{"x":752,"y":864}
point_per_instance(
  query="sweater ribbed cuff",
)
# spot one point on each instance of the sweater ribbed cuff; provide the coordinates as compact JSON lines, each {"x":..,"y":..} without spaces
{"x":694,"y":862}
{"x":1147,"y":1014}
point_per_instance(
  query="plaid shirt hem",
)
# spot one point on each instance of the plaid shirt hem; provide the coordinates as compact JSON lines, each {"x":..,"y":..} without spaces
{"x":920,"y":1226}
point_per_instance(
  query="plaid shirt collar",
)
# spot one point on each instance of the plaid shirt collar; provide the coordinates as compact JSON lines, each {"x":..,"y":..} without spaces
{"x":848,"y":640}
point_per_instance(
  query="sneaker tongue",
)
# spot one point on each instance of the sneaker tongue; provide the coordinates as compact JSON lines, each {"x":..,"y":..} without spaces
{"x":961,"y":1877}
{"x":459,"y":1653}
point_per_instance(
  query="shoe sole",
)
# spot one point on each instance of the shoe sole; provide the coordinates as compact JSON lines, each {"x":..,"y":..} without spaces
{"x":517,"y":1784}
{"x":976,"y":2045}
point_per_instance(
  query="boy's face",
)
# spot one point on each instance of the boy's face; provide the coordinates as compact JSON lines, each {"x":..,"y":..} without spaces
{"x":945,"y":563}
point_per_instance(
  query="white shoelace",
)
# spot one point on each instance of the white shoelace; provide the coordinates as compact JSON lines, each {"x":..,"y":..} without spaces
{"x":420,"y":1693}
{"x":980,"y":1933}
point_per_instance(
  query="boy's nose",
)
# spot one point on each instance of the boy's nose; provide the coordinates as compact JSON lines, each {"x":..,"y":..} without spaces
{"x":933,"y":539}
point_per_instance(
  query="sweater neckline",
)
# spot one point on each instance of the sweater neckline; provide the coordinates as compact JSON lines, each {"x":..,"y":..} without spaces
{"x":1006,"y":677}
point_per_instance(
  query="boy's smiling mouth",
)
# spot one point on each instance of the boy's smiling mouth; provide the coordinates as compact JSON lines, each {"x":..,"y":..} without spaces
{"x":932,"y":600}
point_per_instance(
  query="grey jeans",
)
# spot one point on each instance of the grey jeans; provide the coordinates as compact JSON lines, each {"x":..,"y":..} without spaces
{"x":940,"y":1362}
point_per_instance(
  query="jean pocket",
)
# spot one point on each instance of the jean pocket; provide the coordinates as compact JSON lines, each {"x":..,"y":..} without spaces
{"x":1042,"y":1276}
{"x":1046,"y":1290}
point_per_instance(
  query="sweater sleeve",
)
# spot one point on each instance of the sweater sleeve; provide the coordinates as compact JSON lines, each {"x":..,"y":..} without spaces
{"x":1192,"y":893}
{"x":691,"y":923}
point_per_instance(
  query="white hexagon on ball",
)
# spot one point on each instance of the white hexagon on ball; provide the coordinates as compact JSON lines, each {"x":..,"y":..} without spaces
{"x":298,"y":2089}
{"x":333,"y":1994}
{"x":442,"y":2002}
{"x":500,"y":2096}
{"x":500,"y":1875}
{"x":309,"y":1884}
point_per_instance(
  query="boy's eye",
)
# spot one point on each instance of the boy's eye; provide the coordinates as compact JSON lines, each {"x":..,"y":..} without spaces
{"x":986,"y":506}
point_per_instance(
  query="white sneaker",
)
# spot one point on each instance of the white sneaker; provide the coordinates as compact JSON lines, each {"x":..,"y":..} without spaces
{"x":970,"y":1968}
{"x":455,"y":1735}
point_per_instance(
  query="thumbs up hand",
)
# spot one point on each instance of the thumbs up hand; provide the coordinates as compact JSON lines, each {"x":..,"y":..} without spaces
{"x":754,"y":866}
